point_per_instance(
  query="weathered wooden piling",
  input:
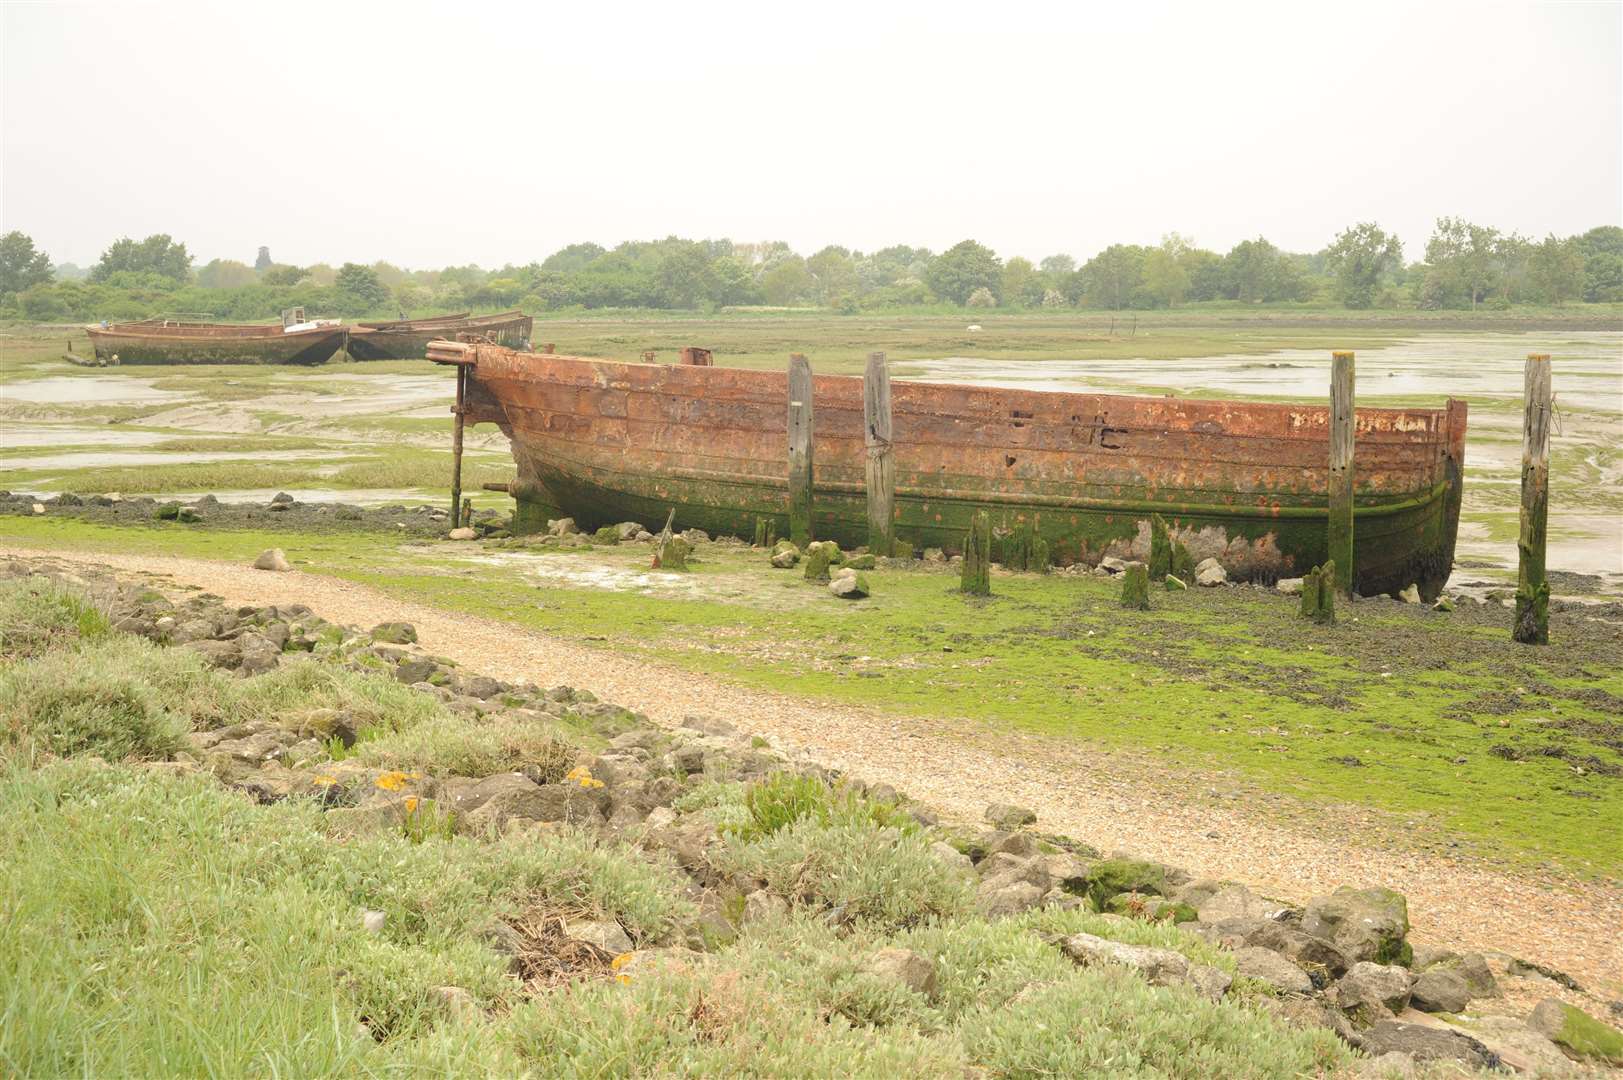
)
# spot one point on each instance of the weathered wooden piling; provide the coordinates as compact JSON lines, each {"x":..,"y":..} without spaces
{"x":1025,"y":549}
{"x":1160,"y":548}
{"x":1532,"y":626}
{"x":881,"y":465}
{"x":1135,"y":587}
{"x":800,"y":450}
{"x":1342,"y":423}
{"x":1319,"y":594}
{"x":976,"y":579}
{"x":766,"y":532}
{"x":460,"y":411}
{"x":670,"y":551}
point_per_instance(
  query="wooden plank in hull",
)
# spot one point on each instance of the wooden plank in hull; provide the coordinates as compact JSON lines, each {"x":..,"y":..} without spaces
{"x":409,"y":341}
{"x":1243,"y":482}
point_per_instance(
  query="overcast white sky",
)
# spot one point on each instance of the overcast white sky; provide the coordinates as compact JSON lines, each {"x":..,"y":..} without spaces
{"x":485,"y":132}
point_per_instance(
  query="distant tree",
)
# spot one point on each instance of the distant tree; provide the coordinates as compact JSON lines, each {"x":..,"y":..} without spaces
{"x":157,"y":254}
{"x":1057,"y":265}
{"x":732,"y":282}
{"x":263,"y":260}
{"x":981,"y":298}
{"x":390,"y":274}
{"x":1022,"y":284}
{"x":360,"y":291}
{"x":66,"y":271}
{"x":1258,"y":272}
{"x":1207,"y":280}
{"x":1113,"y":276}
{"x":226,"y":274}
{"x":278,"y":274}
{"x":1053,"y":298}
{"x":1464,"y":261}
{"x":683,"y":279}
{"x":1602,"y":250}
{"x":787,"y":282}
{"x":21,"y":266}
{"x":1166,"y":275}
{"x":321,"y":274}
{"x":1556,"y":269}
{"x":1360,"y":259}
{"x":961,"y":269}
{"x":835,"y":272}
{"x":574,"y":257}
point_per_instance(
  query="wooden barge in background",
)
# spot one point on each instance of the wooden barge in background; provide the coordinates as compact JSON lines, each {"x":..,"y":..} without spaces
{"x":407,"y":339}
{"x":158,"y":341}
{"x":1247,"y":483}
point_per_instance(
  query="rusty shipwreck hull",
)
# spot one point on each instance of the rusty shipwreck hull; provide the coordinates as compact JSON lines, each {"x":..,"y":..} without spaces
{"x":605,"y":441}
{"x":408,"y":339}
{"x":168,"y":342}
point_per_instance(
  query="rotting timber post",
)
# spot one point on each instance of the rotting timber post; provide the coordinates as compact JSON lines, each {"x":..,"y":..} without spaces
{"x":1532,"y":626}
{"x":1342,"y":424}
{"x":881,"y":465}
{"x":460,"y":410}
{"x":800,"y":450}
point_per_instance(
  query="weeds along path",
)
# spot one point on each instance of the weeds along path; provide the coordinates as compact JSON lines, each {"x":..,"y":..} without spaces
{"x":1210,"y":823}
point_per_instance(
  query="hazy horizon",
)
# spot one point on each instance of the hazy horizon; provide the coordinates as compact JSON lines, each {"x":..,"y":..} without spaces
{"x":428,"y":136}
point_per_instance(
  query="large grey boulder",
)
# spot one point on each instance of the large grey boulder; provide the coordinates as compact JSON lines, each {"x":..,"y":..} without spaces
{"x":1441,"y":989}
{"x":1372,"y":989}
{"x":1269,"y":967}
{"x":1008,"y":899}
{"x":1210,"y":573}
{"x":219,"y":654}
{"x":272,"y":559}
{"x":905,"y":967}
{"x":1008,"y":817}
{"x":1426,"y":1044}
{"x":395,"y":633}
{"x":1577,"y":1033}
{"x":258,"y":653}
{"x":1162,"y":967}
{"x":1365,"y":924}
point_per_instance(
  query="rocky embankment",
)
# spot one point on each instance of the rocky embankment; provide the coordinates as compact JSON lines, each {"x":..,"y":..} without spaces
{"x":1340,"y":962}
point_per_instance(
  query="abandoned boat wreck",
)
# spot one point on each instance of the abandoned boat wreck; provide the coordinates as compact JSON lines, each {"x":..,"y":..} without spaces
{"x":407,"y":339}
{"x":1247,"y":483}
{"x":168,"y":342}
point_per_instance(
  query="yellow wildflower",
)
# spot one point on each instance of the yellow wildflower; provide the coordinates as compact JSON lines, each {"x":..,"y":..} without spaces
{"x":621,"y":961}
{"x":326,"y":781}
{"x":411,"y":805}
{"x":393,"y":780}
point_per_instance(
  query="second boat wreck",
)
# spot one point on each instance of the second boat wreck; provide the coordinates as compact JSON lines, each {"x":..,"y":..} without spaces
{"x":605,"y":441}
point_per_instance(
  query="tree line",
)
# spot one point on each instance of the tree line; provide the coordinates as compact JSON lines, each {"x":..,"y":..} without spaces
{"x":1464,"y":265}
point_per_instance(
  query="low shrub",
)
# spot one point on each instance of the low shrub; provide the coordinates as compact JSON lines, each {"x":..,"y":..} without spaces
{"x":37,"y":615}
{"x":450,"y":745}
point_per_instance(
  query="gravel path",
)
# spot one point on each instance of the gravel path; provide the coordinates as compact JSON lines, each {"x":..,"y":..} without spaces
{"x":1112,"y":800}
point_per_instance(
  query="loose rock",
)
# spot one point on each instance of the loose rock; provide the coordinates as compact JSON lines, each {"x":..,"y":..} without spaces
{"x":272,"y":559}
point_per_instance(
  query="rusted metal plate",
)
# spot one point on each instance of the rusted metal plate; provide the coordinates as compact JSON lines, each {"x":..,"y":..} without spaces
{"x":1241,"y":481}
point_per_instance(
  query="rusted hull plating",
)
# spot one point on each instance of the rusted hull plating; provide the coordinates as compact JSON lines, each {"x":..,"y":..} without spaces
{"x":199,"y":344}
{"x":409,"y":340}
{"x":605,"y":441}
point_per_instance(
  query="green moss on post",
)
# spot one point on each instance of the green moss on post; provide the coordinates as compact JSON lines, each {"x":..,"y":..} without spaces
{"x":977,"y":571}
{"x":1160,"y":548}
{"x":1342,"y":426}
{"x":1532,"y":625}
{"x":1319,"y":594}
{"x":1135,"y":587}
{"x":1183,"y":563}
{"x":672,"y":554}
{"x":1025,"y":549}
{"x":816,"y":563}
{"x":766,"y":532}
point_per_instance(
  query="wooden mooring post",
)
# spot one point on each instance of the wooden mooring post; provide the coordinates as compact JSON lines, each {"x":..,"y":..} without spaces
{"x":1532,"y":626}
{"x":881,"y":465}
{"x":1342,"y":424}
{"x":800,"y":450}
{"x":460,"y":411}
